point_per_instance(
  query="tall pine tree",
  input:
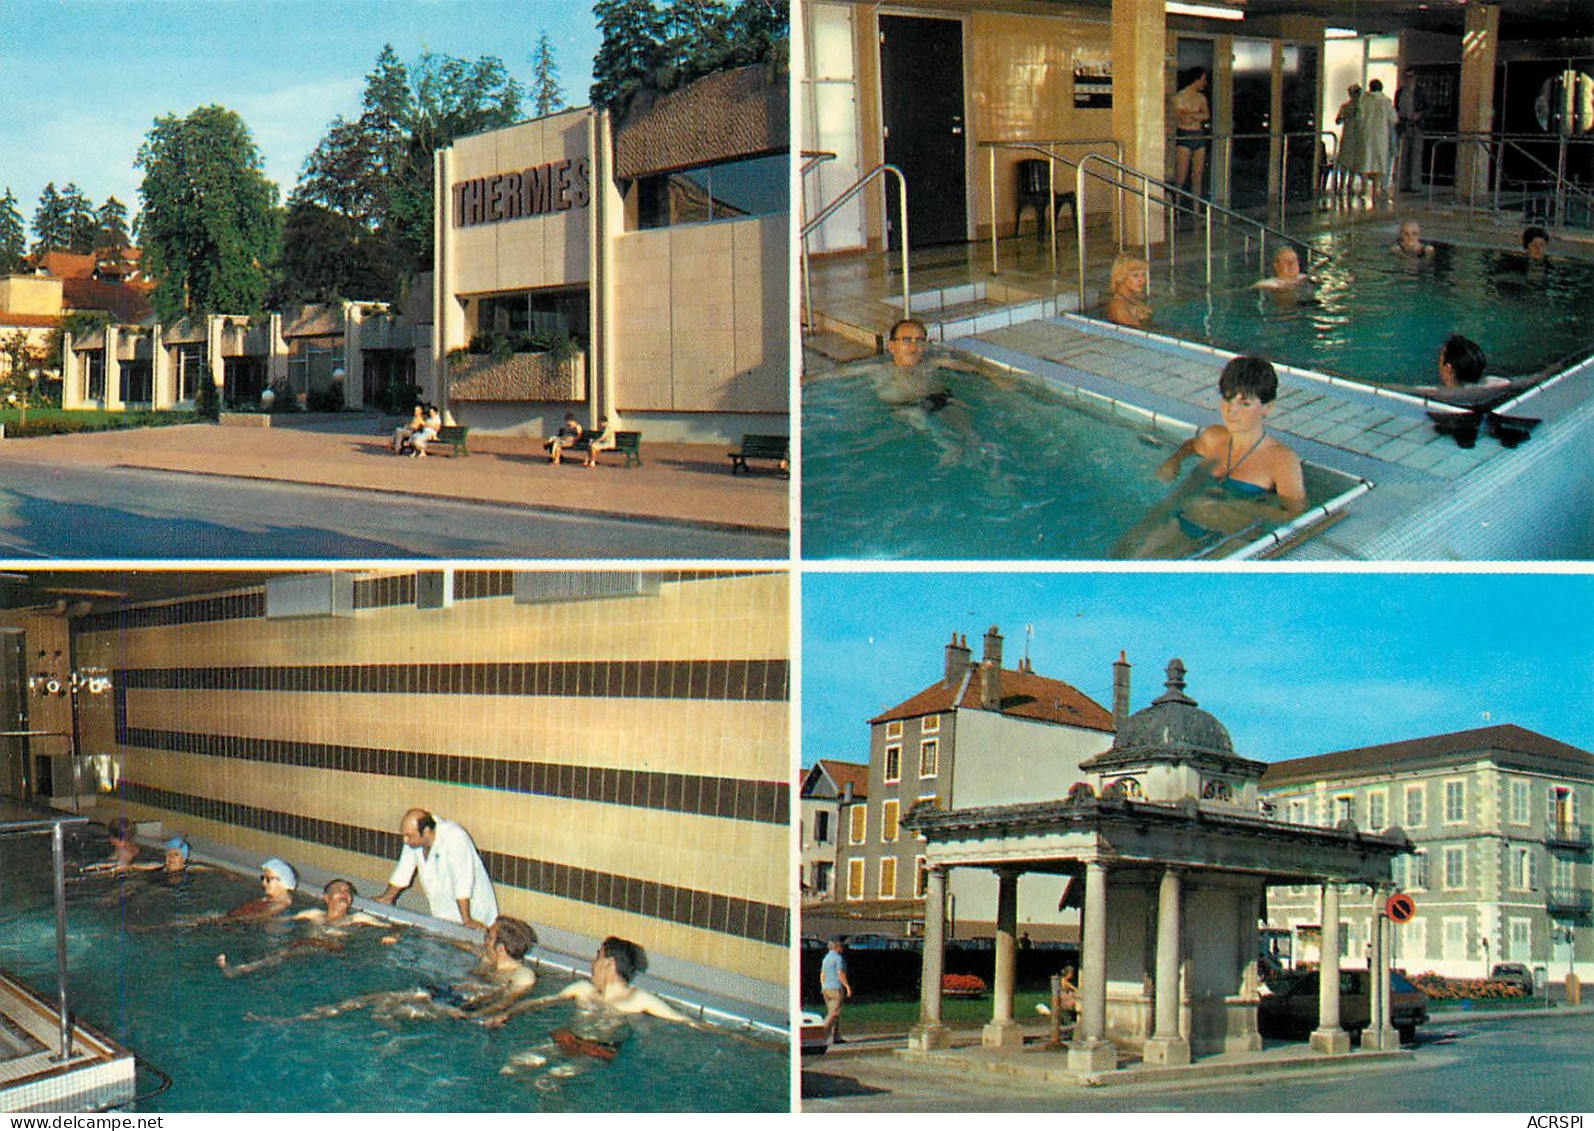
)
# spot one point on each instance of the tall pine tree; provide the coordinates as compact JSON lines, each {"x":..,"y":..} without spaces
{"x":82,"y":224}
{"x":13,"y":236}
{"x":112,"y":222}
{"x":52,"y":228}
{"x":630,"y":54}
{"x":546,"y":93}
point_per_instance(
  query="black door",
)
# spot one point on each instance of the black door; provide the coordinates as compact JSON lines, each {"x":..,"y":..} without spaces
{"x":1253,"y":103}
{"x":1300,"y":121}
{"x":921,"y":102}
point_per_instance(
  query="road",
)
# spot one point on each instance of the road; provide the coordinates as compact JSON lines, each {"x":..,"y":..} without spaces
{"x":139,"y":514}
{"x":1504,"y":1064}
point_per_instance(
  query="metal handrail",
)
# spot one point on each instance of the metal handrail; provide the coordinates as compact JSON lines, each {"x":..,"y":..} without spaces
{"x":1330,"y":153}
{"x":814,"y":159}
{"x":1170,"y":195}
{"x":1485,"y":140}
{"x":58,"y":854}
{"x":1047,"y":148}
{"x":847,"y":194}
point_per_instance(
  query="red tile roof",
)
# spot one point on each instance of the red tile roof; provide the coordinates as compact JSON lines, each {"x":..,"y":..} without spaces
{"x":124,"y":302}
{"x":51,"y":320}
{"x":1519,"y":745}
{"x":1025,"y":695}
{"x":65,"y":265}
{"x":842,"y":773}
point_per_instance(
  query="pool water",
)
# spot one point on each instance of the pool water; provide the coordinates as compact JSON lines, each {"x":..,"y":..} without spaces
{"x":153,"y":986}
{"x":1035,"y":473}
{"x":1380,"y":317}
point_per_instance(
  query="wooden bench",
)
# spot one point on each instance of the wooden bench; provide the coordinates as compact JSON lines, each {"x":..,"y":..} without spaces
{"x":627,"y":444}
{"x":755,"y":446}
{"x":454,"y":436}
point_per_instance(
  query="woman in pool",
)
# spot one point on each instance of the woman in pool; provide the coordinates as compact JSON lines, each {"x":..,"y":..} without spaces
{"x":1126,"y":304}
{"x":1251,"y":480}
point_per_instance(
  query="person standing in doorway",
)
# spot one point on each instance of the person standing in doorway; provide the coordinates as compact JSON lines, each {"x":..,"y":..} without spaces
{"x":835,"y":986}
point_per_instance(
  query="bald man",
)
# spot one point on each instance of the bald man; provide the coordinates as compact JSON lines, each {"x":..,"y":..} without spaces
{"x":442,"y":854}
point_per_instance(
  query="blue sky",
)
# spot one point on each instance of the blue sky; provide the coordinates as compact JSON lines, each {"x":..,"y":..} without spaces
{"x":1293,"y":664}
{"x":81,"y":81}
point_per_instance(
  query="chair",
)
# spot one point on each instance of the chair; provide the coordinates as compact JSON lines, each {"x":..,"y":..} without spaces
{"x":1031,"y":193}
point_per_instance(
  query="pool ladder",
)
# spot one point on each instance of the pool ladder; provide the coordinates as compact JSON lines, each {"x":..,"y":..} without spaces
{"x":54,"y":825}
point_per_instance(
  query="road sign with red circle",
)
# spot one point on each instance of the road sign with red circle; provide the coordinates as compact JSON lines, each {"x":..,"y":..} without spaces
{"x":1400,"y":908}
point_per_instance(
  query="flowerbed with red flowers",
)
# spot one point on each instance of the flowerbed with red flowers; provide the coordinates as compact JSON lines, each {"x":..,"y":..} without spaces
{"x":1439,"y":987}
{"x":962,"y":985}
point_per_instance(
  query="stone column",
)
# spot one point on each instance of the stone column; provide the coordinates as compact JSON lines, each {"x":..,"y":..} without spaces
{"x":113,"y":368}
{"x":1003,"y":1030}
{"x":1383,"y":1008}
{"x":1479,"y":38}
{"x":1167,"y":1045}
{"x":1328,"y":1036}
{"x":1373,"y":1035}
{"x":1090,"y":1050}
{"x":930,"y":1033}
{"x":1139,"y":43}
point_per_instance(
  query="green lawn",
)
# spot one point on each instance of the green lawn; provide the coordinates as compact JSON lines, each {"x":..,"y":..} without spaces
{"x":900,"y":1016}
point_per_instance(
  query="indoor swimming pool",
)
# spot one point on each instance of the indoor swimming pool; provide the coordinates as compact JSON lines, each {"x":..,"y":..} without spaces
{"x":1378,"y":316}
{"x":148,"y":981}
{"x":1011,"y":468}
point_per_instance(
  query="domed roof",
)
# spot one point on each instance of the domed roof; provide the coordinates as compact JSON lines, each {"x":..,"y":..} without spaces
{"x":1173,"y":724}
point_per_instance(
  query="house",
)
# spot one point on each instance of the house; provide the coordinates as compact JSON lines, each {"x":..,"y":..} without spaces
{"x":830,"y":789}
{"x":1499,"y":817}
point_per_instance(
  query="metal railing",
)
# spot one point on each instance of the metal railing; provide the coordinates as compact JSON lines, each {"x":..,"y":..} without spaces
{"x":1170,"y":202}
{"x":812,"y":159}
{"x":53,"y":826}
{"x":1492,"y":147}
{"x":1047,"y":149}
{"x":902,"y":209}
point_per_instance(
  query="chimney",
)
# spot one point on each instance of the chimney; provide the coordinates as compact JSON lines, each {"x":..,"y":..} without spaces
{"x":991,"y":672}
{"x":1120,"y":691}
{"x":957,"y":660}
{"x":846,"y":793}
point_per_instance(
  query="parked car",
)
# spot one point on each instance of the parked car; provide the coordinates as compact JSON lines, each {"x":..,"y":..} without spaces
{"x":1513,"y":974}
{"x":1289,"y":1009}
{"x":815,"y":1041}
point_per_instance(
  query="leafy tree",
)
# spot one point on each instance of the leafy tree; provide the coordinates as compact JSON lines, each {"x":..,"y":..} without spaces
{"x":546,"y":93}
{"x":82,"y":224}
{"x":13,"y":236}
{"x":327,"y":256}
{"x":630,"y":54}
{"x":209,"y":220}
{"x":377,"y":170}
{"x":51,"y":221}
{"x":112,"y":223}
{"x":20,"y":362}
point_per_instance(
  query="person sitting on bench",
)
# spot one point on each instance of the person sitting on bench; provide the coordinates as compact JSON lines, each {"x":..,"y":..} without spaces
{"x":604,"y":440}
{"x":429,"y":429}
{"x":566,"y":437}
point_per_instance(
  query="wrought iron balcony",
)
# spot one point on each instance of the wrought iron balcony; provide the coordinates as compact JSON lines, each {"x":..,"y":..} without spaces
{"x":1567,"y":834}
{"x":1568,"y":901}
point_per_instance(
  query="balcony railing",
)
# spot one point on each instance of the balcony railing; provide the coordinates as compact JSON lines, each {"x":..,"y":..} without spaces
{"x":1567,"y":834}
{"x":1568,"y":901}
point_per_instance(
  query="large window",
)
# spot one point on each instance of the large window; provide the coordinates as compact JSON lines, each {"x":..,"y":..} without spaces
{"x":929,"y":759}
{"x":855,"y":879}
{"x":860,"y":824}
{"x":1415,"y":815}
{"x":543,"y":313}
{"x":1519,"y":801}
{"x":1455,"y":801}
{"x":138,"y":382}
{"x":893,"y":763}
{"x":888,"y":877}
{"x":1344,"y":809}
{"x":888,"y":821}
{"x":1377,"y":810}
{"x":1417,"y":871}
{"x":921,"y":877}
{"x":1455,"y":939}
{"x":94,"y":374}
{"x":189,"y":361}
{"x":1527,"y":869}
{"x":759,"y":186}
{"x":822,"y":827}
{"x":1455,"y":868}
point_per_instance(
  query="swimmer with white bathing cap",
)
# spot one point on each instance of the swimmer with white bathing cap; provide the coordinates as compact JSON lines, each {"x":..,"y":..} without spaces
{"x":277,"y":881}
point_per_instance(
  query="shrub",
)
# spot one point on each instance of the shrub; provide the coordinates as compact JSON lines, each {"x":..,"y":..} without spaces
{"x":399,"y":398}
{"x":286,"y":400}
{"x":329,"y":399}
{"x":1455,"y":989}
{"x":962,"y":984}
{"x":208,"y":402}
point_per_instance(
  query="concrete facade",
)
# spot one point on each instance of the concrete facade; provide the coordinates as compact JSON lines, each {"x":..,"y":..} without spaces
{"x":1504,"y":863}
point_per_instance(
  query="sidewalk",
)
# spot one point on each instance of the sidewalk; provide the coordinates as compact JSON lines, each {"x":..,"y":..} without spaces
{"x":681,"y":482}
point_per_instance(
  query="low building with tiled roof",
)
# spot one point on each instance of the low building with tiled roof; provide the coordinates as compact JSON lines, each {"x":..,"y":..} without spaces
{"x":982,"y":734}
{"x":829,"y":788}
{"x":1504,"y":863}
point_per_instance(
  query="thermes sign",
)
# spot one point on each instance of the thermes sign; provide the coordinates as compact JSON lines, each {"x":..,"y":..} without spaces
{"x":555,"y":187}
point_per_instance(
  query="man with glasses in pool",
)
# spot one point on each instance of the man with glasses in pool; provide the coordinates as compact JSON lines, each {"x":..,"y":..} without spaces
{"x":451,"y":872}
{"x":915,"y":387}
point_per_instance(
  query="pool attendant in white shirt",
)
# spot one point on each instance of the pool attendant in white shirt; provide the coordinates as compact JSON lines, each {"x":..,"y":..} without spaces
{"x":451,"y":871}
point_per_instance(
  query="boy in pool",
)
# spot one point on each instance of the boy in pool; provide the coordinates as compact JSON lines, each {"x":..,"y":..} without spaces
{"x":1535,"y":242}
{"x":616,"y":963}
{"x":1410,"y":242}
